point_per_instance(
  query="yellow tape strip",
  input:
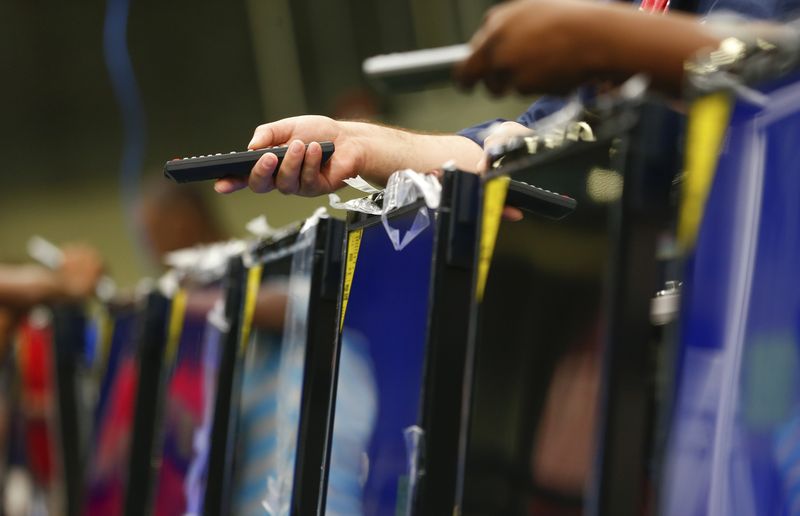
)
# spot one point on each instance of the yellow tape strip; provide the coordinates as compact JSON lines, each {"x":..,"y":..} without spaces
{"x":177,"y":314}
{"x":250,"y":299}
{"x":494,"y":199}
{"x":353,"y":245}
{"x":708,"y":121}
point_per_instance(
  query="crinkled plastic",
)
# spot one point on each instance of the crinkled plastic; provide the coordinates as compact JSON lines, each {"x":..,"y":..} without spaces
{"x":206,"y":263}
{"x":405,"y":187}
{"x":279,"y":485}
{"x":415,"y":442}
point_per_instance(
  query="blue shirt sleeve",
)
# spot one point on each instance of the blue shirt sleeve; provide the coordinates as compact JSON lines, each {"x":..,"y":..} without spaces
{"x":538,"y":110}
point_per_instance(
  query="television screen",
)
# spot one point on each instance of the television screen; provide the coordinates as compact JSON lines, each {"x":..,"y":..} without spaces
{"x":380,"y":373}
{"x":107,"y":465}
{"x":539,"y":349}
{"x":734,"y":445}
{"x":184,"y":401}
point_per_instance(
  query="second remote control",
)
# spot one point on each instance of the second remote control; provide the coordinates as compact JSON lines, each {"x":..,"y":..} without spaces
{"x":234,"y":164}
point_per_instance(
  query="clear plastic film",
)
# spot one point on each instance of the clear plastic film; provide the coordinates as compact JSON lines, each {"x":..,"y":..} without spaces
{"x":366,"y":205}
{"x":415,"y":442}
{"x":279,"y":484}
{"x":405,"y":187}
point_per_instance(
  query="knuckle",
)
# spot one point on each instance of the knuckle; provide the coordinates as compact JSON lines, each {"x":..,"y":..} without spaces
{"x":287,"y":189}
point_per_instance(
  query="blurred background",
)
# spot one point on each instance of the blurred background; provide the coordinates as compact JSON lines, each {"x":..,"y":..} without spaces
{"x":77,"y":150}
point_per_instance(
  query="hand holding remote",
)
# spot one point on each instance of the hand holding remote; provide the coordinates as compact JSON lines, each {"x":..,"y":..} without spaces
{"x":302,"y":171}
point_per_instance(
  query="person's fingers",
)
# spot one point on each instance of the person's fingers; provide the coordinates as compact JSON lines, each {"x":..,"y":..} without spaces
{"x":511,"y":214}
{"x":310,"y":181}
{"x":272,"y":134}
{"x":497,"y":81}
{"x":228,"y":185}
{"x":261,"y":180}
{"x":469,"y":72}
{"x":288,"y":179}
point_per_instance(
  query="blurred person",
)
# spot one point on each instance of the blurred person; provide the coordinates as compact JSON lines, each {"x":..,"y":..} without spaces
{"x":176,"y":217}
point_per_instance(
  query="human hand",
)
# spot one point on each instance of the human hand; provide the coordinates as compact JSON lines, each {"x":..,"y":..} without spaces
{"x":80,"y":271}
{"x":532,"y":46}
{"x":554,"y":46}
{"x":301,"y":171}
{"x":499,"y":136}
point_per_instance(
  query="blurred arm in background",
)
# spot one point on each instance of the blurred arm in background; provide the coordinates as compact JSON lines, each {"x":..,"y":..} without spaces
{"x":22,"y":286}
{"x":553,"y":46}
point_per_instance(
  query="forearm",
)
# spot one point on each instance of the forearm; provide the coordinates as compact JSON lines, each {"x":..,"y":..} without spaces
{"x":27,"y":285}
{"x":387,"y":149}
{"x":624,"y":41}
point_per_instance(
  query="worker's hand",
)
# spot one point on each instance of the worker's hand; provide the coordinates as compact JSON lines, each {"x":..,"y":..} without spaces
{"x":499,"y":136}
{"x":80,"y":271}
{"x":302,"y":171}
{"x":532,"y":46}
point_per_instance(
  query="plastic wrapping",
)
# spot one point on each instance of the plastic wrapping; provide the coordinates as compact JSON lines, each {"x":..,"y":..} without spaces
{"x":415,"y":446}
{"x":404,"y":188}
{"x":362,"y":205}
{"x":359,"y":183}
{"x":290,"y":376}
{"x":203,"y":264}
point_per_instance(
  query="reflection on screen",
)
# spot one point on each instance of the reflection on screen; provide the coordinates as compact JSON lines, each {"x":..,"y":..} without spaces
{"x":380,"y":372}
{"x":538,"y":356}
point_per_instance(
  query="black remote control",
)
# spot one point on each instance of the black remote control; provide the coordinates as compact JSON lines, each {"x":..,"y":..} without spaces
{"x":233,"y":164}
{"x":539,"y":201}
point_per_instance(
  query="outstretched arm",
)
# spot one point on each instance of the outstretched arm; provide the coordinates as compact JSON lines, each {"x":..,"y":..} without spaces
{"x":553,"y":46}
{"x":371,"y":150}
{"x":22,"y":286}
